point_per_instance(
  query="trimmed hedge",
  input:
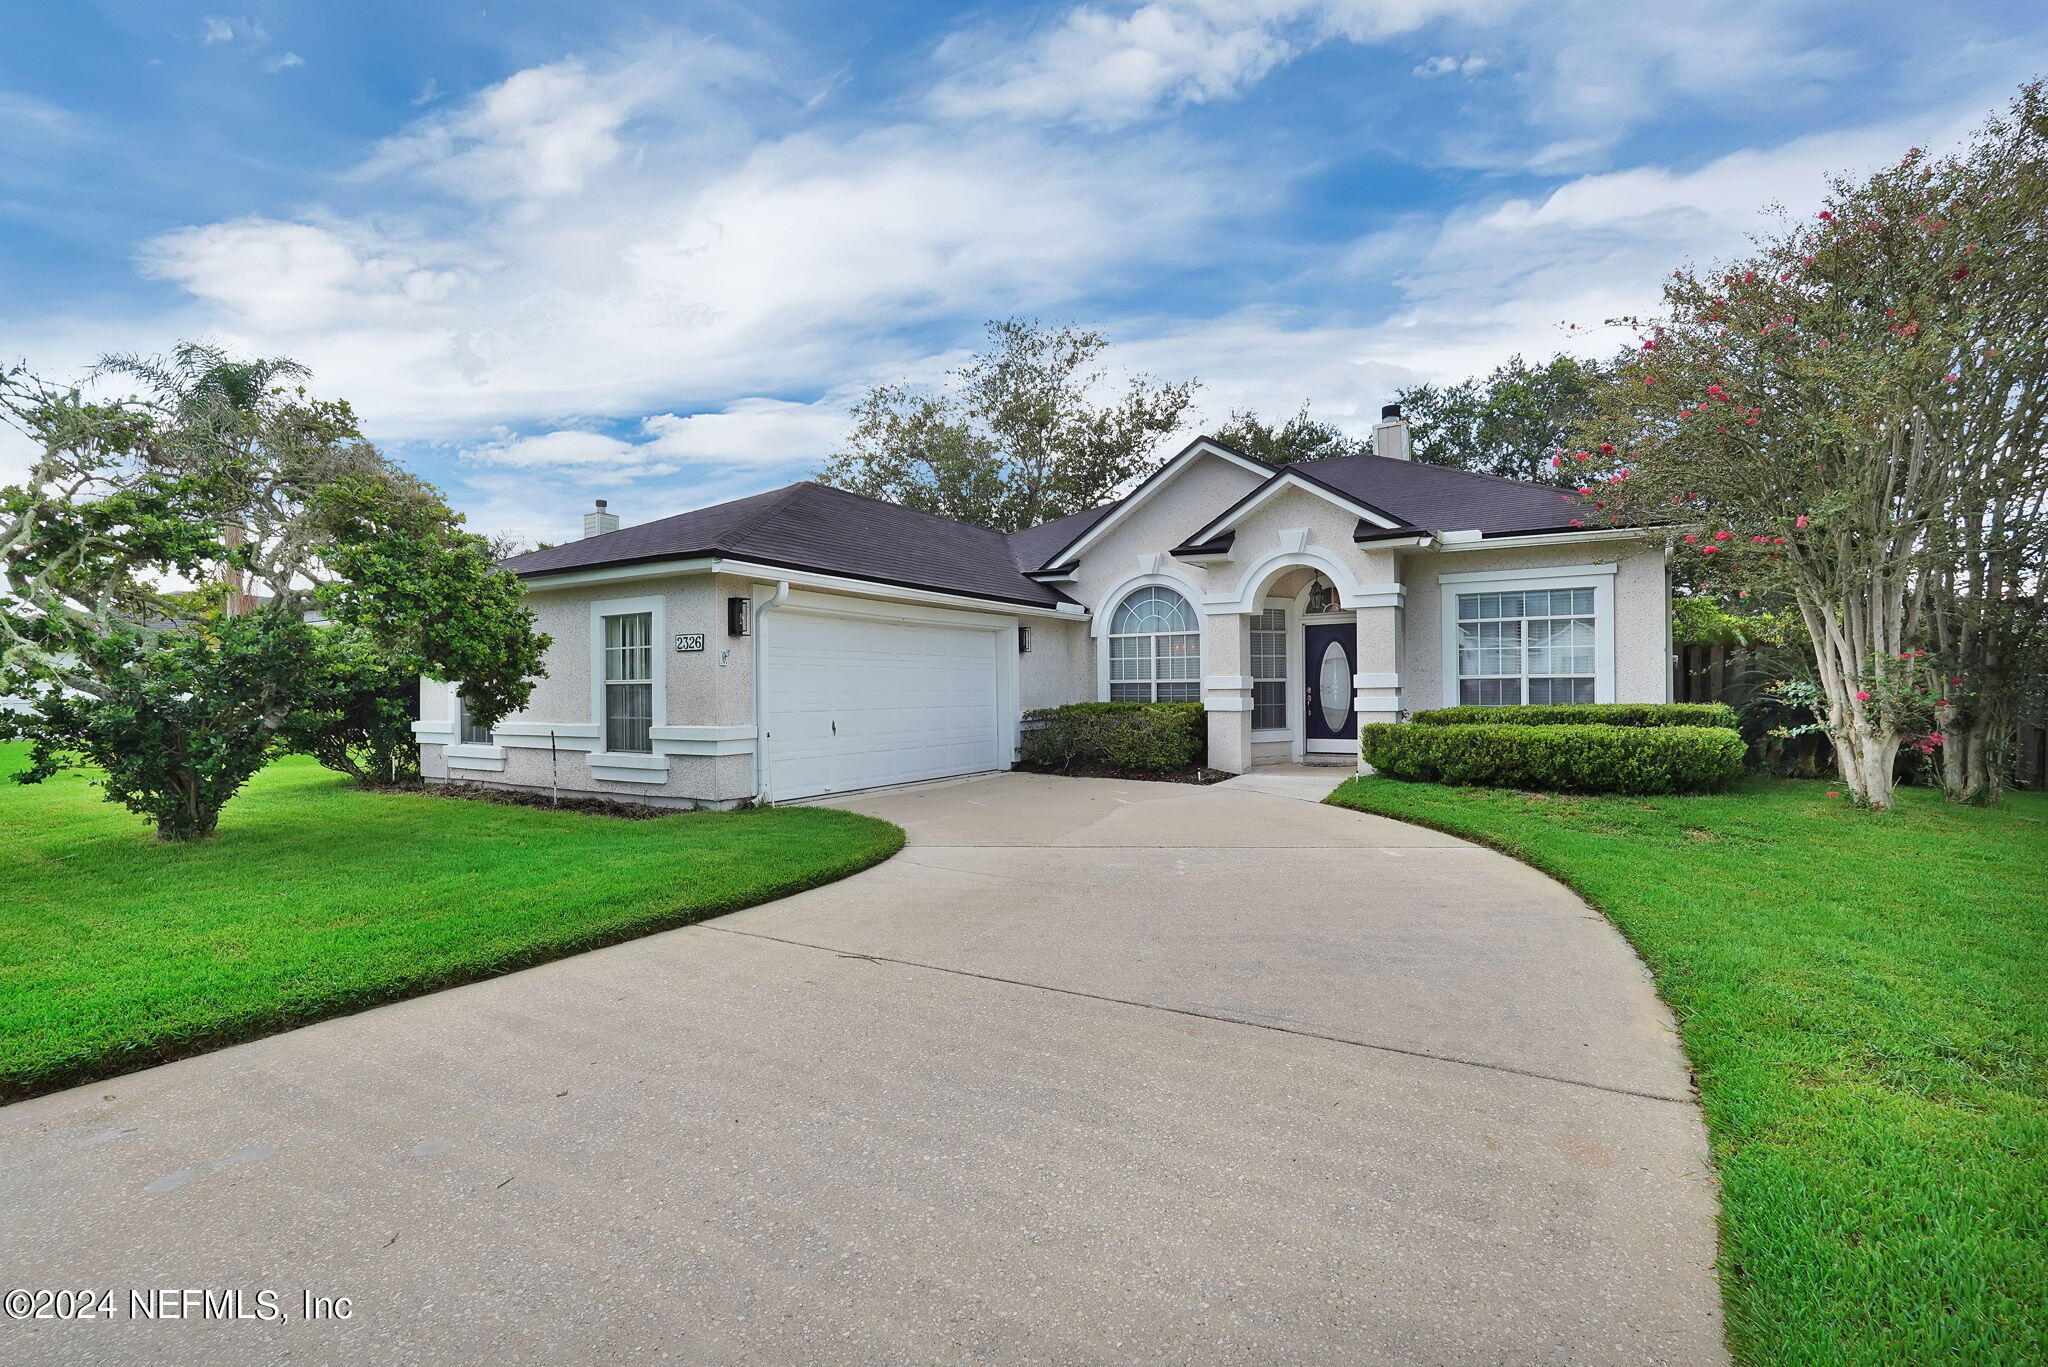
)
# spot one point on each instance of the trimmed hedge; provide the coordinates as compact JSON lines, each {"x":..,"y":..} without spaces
{"x":1152,"y":737}
{"x":1586,"y":759}
{"x":1586,"y":714}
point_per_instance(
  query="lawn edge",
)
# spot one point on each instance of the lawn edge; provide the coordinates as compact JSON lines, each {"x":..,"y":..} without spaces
{"x":26,"y":1085}
{"x":1549,"y":869}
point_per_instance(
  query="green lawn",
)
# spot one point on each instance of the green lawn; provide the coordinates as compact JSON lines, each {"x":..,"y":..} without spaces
{"x":1863,"y":999}
{"x":316,"y":899}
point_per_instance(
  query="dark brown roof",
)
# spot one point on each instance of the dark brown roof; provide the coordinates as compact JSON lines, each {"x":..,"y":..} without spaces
{"x":1441,"y":499}
{"x":814,"y":527}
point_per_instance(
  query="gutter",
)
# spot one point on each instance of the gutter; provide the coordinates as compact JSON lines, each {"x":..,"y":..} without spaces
{"x":775,"y":600}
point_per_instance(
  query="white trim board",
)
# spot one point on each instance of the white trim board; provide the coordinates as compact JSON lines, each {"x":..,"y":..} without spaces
{"x":1159,"y":479}
{"x":1281,"y":481}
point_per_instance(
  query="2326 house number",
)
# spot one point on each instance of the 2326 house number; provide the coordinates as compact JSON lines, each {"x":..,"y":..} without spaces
{"x":687,"y":643}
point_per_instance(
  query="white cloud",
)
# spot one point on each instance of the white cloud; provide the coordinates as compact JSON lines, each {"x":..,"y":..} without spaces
{"x":1448,"y":65}
{"x":548,"y":131}
{"x":698,"y":271}
{"x":284,"y":61}
{"x":230,"y":28}
{"x":24,"y":115}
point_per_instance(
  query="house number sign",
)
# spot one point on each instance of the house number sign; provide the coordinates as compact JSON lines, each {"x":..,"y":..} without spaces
{"x":688,"y":643}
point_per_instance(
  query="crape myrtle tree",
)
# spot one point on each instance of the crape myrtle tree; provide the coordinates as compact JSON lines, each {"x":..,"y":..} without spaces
{"x":1029,"y":431}
{"x":1853,"y":417}
{"x":222,"y":472}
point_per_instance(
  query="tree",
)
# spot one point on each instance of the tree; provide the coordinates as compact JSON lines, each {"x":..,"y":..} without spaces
{"x":1510,"y":423}
{"x":225,"y":473}
{"x":1020,"y":440}
{"x":1300,"y":438}
{"x":355,"y":711}
{"x":1854,"y":417}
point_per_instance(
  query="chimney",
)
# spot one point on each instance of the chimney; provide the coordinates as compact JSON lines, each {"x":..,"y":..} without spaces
{"x":599,"y":522}
{"x":1390,"y":438}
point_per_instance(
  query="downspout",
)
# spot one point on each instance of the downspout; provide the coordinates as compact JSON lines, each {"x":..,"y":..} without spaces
{"x":775,"y":600}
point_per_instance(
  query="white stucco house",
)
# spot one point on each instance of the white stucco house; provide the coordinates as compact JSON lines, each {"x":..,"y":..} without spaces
{"x":809,"y":641}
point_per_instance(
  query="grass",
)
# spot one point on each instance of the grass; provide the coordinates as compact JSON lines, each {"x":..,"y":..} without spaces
{"x":317,"y":899}
{"x":1863,"y":998}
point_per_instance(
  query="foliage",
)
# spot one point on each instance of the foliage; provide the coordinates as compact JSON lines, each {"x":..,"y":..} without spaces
{"x":1703,"y":619}
{"x":1510,"y":424}
{"x":1855,"y":418}
{"x":319,"y":898}
{"x":1859,"y":998}
{"x":1020,"y":440}
{"x":1560,"y":758}
{"x":354,"y":711}
{"x":227,"y":474}
{"x":1151,"y":737}
{"x":1583,"y":714}
{"x":1300,"y":438}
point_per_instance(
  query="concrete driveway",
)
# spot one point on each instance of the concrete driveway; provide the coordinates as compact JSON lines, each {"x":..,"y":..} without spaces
{"x":1092,"y":1072}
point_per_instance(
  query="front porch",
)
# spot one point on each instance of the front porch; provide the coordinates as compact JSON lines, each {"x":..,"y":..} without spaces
{"x":1297,"y":663}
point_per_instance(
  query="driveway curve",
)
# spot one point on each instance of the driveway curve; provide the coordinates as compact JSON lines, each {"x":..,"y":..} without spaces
{"x":1092,"y":1072}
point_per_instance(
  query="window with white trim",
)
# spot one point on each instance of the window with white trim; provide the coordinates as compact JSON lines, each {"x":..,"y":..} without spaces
{"x":1526,"y":646}
{"x":629,"y":683}
{"x":1269,"y":670}
{"x":1155,"y":649}
{"x":467,"y":732}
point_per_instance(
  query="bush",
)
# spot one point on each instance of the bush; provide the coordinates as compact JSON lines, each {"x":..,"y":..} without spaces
{"x":1153,"y":737}
{"x":1586,"y":714}
{"x":1587,"y":759}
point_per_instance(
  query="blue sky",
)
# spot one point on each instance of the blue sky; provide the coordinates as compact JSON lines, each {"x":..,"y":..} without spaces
{"x":651,"y":253}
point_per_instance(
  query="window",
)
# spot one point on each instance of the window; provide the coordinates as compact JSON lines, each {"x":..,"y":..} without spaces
{"x":1527,"y":646}
{"x":1269,"y":670}
{"x":1155,"y":649}
{"x":466,"y":730}
{"x":628,"y":683}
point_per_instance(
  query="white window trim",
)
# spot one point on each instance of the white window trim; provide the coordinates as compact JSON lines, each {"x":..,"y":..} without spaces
{"x":633,"y":763}
{"x":460,"y":754}
{"x":1106,"y":606}
{"x":1107,"y":617}
{"x":1599,"y":578}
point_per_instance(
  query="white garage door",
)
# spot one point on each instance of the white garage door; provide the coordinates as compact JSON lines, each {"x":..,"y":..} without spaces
{"x":857,"y":703}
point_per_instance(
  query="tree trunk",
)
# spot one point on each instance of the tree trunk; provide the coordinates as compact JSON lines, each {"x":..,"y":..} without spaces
{"x":1974,"y":755}
{"x":194,"y":815}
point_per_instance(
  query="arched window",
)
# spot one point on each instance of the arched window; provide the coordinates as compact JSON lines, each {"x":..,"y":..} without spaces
{"x":1155,"y":649}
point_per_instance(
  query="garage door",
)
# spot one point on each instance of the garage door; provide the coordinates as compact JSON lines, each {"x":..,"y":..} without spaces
{"x":858,"y":703}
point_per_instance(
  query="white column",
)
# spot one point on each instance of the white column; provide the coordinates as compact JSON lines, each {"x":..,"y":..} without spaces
{"x":1227,"y":690}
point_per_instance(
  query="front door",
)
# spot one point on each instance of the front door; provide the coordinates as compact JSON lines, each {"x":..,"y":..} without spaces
{"x":1331,"y":665}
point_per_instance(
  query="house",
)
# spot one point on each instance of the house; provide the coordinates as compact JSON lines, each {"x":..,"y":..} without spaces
{"x":809,"y":641}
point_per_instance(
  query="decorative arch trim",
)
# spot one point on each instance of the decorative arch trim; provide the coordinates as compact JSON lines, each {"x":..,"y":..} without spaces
{"x":1251,"y":586}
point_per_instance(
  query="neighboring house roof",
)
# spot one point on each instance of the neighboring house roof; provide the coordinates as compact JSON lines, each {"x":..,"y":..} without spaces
{"x":811,"y":526}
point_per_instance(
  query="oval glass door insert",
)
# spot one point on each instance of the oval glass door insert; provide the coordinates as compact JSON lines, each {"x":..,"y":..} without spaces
{"x":1333,"y":686}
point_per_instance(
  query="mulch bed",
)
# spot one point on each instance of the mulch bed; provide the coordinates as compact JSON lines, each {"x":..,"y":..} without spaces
{"x":515,"y":797}
{"x":1197,"y":776}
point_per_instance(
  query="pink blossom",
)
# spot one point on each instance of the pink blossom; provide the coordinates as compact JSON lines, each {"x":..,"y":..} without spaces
{"x":1950,"y":378}
{"x":1722,"y":536}
{"x":1690,"y":538}
{"x":1709,"y":550}
{"x":1800,"y":521}
{"x":1861,"y":696}
{"x":1832,"y":793}
{"x":1827,"y":215}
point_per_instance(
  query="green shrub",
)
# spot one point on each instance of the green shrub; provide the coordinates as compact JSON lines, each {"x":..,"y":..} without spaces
{"x":1154,"y":737}
{"x":1586,"y":759}
{"x":1586,"y":714}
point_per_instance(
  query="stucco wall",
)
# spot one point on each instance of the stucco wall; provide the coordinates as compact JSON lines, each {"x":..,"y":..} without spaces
{"x":1329,"y":530}
{"x":1167,"y":516}
{"x":1642,"y":604}
{"x":712,"y":687}
{"x":1059,"y":667}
